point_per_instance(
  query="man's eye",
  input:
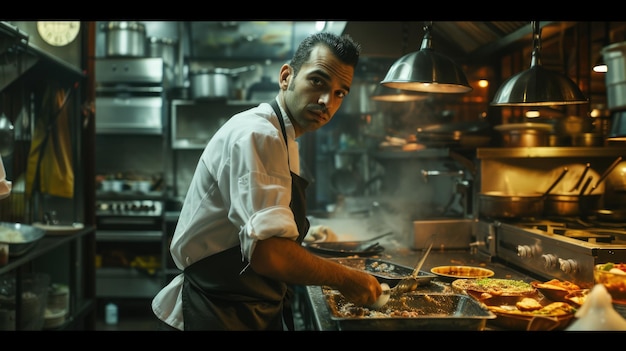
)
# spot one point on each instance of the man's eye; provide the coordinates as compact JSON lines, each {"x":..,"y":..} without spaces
{"x":341,"y":94}
{"x":317,"y":81}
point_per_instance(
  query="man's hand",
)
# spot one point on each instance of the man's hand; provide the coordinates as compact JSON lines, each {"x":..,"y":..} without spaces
{"x":319,"y":233}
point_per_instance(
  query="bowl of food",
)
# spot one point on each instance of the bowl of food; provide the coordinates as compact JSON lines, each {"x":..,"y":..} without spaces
{"x":613,"y":277}
{"x":20,"y":237}
{"x":450,"y":273}
{"x":556,"y":290}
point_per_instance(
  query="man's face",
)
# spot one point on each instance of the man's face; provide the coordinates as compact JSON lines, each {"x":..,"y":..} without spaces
{"x":316,"y":93}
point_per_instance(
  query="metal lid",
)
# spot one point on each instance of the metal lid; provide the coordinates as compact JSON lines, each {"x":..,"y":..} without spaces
{"x":116,"y":25}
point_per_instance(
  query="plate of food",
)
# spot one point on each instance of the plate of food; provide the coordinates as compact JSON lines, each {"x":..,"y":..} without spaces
{"x":555,"y":290}
{"x":495,"y":291}
{"x":533,"y":314}
{"x":461,"y":272}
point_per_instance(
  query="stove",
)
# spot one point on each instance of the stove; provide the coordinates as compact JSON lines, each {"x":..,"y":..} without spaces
{"x":554,"y":248}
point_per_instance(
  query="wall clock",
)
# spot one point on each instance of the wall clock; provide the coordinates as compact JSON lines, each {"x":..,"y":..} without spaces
{"x":58,"y":33}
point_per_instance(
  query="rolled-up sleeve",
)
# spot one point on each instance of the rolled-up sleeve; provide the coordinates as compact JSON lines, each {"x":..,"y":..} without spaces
{"x":261,"y":194}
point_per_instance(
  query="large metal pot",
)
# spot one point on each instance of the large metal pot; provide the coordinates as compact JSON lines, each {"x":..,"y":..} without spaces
{"x":571,"y":205}
{"x":126,"y":39}
{"x":498,"y":204}
{"x":525,"y":134}
{"x":214,"y":83}
{"x":615,"y":78}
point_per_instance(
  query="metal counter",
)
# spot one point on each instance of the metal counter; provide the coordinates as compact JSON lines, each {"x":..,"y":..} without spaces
{"x":316,"y":315}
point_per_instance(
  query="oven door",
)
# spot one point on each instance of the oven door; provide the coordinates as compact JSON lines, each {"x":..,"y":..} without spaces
{"x":129,"y":114}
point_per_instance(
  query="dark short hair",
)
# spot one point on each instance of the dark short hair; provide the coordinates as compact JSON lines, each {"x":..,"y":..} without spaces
{"x":344,"y":47}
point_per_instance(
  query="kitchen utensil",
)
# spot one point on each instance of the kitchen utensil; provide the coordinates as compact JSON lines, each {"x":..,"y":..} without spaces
{"x":582,"y":176}
{"x":497,"y":204}
{"x":405,"y":285}
{"x":214,"y":83}
{"x":348,"y":248}
{"x":566,"y":205}
{"x":586,"y":185}
{"x":433,"y":311}
{"x":20,"y":237}
{"x":525,"y":134}
{"x":125,"y":39}
{"x":556,"y":181}
{"x":411,"y":283}
{"x":385,"y":271}
{"x":606,"y":173}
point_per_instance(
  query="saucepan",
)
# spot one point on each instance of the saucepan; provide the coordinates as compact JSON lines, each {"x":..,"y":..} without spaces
{"x":499,"y":204}
{"x":214,"y":83}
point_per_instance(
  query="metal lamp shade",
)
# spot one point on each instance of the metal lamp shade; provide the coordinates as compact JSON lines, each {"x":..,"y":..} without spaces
{"x":426,"y":71}
{"x":383,"y":93}
{"x":538,"y":86}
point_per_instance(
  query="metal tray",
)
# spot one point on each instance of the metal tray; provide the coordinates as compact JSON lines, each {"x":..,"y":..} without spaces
{"x":346,"y":248}
{"x":385,"y":271}
{"x":429,"y":312}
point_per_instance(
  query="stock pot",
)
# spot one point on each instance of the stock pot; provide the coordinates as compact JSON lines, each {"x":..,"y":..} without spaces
{"x":214,"y":83}
{"x":125,"y":39}
{"x":498,"y":204}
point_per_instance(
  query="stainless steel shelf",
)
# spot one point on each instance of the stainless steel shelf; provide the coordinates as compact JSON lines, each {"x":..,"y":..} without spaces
{"x":549,"y":151}
{"x":126,"y":283}
{"x":129,"y":235}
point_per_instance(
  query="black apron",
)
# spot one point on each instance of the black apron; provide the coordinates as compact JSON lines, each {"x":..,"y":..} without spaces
{"x":217,"y":296}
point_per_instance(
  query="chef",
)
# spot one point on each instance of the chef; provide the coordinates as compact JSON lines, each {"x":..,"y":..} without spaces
{"x":239,"y":234}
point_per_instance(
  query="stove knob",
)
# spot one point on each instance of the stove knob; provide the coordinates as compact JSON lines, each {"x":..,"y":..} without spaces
{"x":549,"y":260}
{"x":524,"y":251}
{"x":568,"y":265}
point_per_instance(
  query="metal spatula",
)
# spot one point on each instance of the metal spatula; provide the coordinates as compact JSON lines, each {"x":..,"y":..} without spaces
{"x":410,"y":283}
{"x":405,"y":285}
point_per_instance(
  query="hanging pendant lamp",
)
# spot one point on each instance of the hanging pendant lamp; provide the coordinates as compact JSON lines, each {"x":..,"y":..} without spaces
{"x":383,"y":93}
{"x":538,"y":86}
{"x":426,"y":71}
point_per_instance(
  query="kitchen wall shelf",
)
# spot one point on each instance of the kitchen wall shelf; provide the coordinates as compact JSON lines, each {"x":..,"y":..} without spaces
{"x":74,"y":268}
{"x":545,"y":152}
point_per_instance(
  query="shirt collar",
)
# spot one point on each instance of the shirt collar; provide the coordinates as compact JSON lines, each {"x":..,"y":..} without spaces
{"x":289,"y":129}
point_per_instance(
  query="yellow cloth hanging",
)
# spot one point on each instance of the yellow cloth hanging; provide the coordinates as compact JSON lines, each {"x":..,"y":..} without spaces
{"x":52,"y":134}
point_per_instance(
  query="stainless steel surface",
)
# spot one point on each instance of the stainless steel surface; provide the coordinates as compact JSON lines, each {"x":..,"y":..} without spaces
{"x":615,"y":77}
{"x":553,"y":250}
{"x":448,"y":234}
{"x":129,"y":96}
{"x":126,"y":39}
{"x":146,"y":71}
{"x":317,"y":316}
{"x":29,"y":236}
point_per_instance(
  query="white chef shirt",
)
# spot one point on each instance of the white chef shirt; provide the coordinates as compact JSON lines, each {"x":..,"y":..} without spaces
{"x":240,"y":193}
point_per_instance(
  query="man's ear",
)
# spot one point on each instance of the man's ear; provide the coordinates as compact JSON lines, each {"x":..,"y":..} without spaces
{"x":285,"y":75}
